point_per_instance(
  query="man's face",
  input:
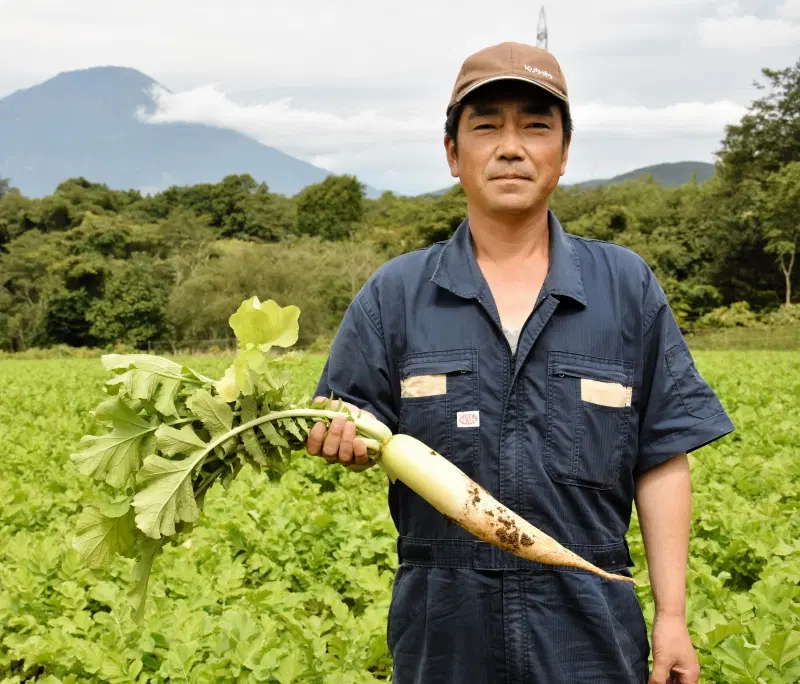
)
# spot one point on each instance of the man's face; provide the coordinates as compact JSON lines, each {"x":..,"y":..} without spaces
{"x":511,"y":153}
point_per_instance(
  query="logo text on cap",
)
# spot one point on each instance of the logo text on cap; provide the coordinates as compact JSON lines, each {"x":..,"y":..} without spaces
{"x":535,"y":70}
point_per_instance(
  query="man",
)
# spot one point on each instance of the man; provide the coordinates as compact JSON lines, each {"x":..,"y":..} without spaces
{"x":549,"y":368}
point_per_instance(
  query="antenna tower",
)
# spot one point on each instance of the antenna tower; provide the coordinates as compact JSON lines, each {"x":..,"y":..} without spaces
{"x":541,"y":31}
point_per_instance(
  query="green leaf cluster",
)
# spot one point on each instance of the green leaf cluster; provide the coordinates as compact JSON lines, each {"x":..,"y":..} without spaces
{"x":171,"y":433}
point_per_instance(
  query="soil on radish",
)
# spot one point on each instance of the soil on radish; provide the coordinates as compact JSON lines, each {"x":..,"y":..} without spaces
{"x":509,"y":538}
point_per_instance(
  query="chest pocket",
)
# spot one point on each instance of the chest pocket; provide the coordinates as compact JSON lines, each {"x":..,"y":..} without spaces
{"x":589,"y":414}
{"x":439,"y":403}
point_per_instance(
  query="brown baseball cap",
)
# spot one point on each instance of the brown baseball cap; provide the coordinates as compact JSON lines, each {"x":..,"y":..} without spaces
{"x":514,"y":61}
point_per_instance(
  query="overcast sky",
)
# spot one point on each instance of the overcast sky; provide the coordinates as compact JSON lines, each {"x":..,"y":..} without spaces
{"x":360,"y":86}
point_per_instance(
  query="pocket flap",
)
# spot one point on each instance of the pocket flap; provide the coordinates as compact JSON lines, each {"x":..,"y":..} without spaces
{"x":436,"y":366}
{"x":426,"y":376}
{"x":581,"y":366}
{"x":580,"y":371}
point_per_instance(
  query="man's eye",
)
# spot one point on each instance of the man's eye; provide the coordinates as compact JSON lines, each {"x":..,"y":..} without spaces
{"x":485,"y":125}
{"x":539,"y":124}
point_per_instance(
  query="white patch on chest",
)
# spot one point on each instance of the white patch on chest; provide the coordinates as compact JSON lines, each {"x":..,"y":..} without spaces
{"x":468,"y":419}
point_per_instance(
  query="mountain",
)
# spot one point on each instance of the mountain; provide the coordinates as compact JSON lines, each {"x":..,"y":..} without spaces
{"x":83,"y":123}
{"x":674,"y":173}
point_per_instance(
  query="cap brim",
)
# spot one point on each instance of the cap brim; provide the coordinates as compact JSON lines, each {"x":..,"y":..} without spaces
{"x":509,"y":77}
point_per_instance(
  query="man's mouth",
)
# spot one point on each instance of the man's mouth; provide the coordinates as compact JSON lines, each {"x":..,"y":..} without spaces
{"x":511,"y":176}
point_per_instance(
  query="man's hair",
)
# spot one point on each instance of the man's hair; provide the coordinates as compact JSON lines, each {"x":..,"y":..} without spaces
{"x":542,"y":98}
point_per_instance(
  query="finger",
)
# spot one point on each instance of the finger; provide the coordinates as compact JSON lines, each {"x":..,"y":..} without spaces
{"x":334,"y":437}
{"x":315,"y":438}
{"x":346,"y":445}
{"x":691,"y":676}
{"x":360,"y":451}
{"x":660,"y":674}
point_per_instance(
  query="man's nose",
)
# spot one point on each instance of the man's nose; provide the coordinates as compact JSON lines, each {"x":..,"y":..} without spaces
{"x":510,"y":146}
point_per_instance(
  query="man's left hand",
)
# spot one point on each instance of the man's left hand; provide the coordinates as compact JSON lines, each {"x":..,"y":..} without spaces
{"x":674,"y":657}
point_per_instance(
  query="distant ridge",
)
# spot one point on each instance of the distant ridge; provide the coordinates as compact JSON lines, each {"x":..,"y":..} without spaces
{"x":83,"y":123}
{"x":670,"y":174}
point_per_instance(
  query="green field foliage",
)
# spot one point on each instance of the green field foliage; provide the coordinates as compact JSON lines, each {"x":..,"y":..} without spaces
{"x":290,"y":582}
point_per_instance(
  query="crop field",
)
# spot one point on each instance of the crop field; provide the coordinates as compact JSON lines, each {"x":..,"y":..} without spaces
{"x":290,"y":582}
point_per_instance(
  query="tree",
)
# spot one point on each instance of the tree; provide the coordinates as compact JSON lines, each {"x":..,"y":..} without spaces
{"x":768,"y":136}
{"x":237,"y":206}
{"x":605,"y":223}
{"x":185,"y":242}
{"x":4,"y":187}
{"x":329,"y":209}
{"x":765,"y":140}
{"x":199,"y":308}
{"x":98,"y":198}
{"x":777,"y":208}
{"x":29,"y":284}
{"x":133,"y":306}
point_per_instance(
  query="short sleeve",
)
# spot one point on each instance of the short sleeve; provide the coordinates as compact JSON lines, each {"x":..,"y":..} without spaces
{"x":357,"y":368}
{"x":680,"y":411}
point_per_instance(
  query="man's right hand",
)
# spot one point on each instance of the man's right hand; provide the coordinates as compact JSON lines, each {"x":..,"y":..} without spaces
{"x":339,"y":444}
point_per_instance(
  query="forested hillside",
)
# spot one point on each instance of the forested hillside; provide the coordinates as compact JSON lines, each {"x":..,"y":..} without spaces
{"x":673,"y":173}
{"x":90,"y":266}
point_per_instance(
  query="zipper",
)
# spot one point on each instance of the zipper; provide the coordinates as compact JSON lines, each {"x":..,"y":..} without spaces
{"x":495,"y":317}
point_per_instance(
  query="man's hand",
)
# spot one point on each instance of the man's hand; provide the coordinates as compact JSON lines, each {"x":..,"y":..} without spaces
{"x":339,"y":443}
{"x":674,"y":657}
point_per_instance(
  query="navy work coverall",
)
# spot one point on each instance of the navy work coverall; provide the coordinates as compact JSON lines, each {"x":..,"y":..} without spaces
{"x":602,"y":386}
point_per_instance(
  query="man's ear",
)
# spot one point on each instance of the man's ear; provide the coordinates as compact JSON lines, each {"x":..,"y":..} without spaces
{"x":452,"y":155}
{"x":565,"y":154}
